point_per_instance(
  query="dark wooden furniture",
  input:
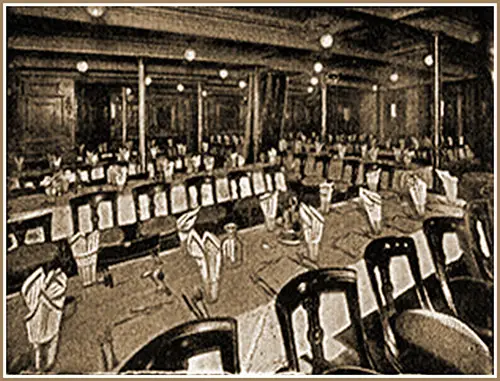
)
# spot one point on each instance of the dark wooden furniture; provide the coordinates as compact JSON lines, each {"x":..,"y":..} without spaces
{"x":467,"y":297}
{"x":420,"y":340}
{"x":388,"y":168}
{"x":170,"y":350}
{"x":479,"y":216}
{"x":152,"y":212}
{"x":29,"y":246}
{"x":305,"y":290}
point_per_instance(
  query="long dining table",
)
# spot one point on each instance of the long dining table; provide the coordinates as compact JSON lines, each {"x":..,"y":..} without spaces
{"x":101,"y":326}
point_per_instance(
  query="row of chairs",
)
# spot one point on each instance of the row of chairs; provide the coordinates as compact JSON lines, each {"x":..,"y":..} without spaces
{"x":414,"y":339}
{"x":231,"y":198}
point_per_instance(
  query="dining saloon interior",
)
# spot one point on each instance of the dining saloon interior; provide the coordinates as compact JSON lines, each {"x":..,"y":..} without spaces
{"x":249,"y":190}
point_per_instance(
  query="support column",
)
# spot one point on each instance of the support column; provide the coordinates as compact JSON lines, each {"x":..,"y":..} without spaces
{"x":285,"y":108}
{"x":256,"y":117}
{"x":437,"y":110}
{"x":324,"y":110}
{"x":142,"y":115}
{"x":124,"y":115}
{"x":200,"y":117}
{"x":248,"y":120}
{"x":460,"y":120}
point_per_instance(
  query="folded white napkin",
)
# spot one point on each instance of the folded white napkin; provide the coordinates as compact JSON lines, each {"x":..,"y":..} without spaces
{"x":373,"y":153}
{"x":318,"y":146}
{"x":154,"y":152}
{"x":54,"y":161}
{"x":398,"y":153}
{"x":208,"y":162}
{"x":272,"y":156}
{"x":372,"y":179}
{"x":282,"y":145}
{"x":313,"y":220}
{"x":207,"y":253}
{"x":418,"y":193}
{"x":168,"y":169}
{"x":92,"y":158}
{"x":241,"y":161}
{"x":185,"y":223}
{"x":372,"y":203}
{"x":196,"y":161}
{"x":123,"y":154}
{"x":181,"y":149}
{"x":44,"y":296}
{"x":269,"y":204}
{"x":326,"y":189}
{"x":342,"y":150}
{"x":19,"y":161}
{"x":364,"y":150}
{"x":204,"y":147}
{"x":450,"y":184}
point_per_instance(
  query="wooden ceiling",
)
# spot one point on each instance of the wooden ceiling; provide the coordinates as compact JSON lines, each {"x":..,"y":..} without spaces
{"x":369,"y":43}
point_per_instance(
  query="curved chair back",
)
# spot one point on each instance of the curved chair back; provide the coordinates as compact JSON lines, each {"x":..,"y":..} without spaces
{"x":378,"y":255}
{"x":93,"y":200}
{"x":170,"y":350}
{"x":305,"y":290}
{"x":150,"y":191}
{"x":479,"y":224}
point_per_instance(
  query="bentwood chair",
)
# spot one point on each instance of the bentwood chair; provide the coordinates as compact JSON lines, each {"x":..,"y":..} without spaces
{"x":386,"y":168}
{"x":305,"y":290}
{"x":419,"y":340}
{"x":170,"y":350}
{"x":29,"y":246}
{"x":152,"y":213}
{"x":469,"y":298}
{"x":479,"y":226}
{"x":99,"y":211}
{"x":201,"y":192}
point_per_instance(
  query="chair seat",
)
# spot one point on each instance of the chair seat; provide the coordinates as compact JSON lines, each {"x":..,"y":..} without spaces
{"x":111,"y":237}
{"x":445,"y":339}
{"x":26,"y":259}
{"x":158,"y":226}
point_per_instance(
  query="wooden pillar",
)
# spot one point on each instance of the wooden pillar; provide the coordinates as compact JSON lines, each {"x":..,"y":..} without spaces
{"x":200,"y":117}
{"x":437,"y":109}
{"x":460,"y":120}
{"x":142,"y":115}
{"x":285,"y":109}
{"x":124,"y":115}
{"x":256,"y":116}
{"x":324,"y":110}
{"x":248,"y":120}
{"x":381,"y":114}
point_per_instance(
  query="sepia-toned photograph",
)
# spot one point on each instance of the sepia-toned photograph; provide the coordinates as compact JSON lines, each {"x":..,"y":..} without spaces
{"x":249,"y":189}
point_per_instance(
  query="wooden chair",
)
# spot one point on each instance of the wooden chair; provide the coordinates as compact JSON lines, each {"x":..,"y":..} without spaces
{"x":469,"y":298}
{"x":153,"y":219}
{"x":479,"y":224}
{"x":305,"y":290}
{"x":420,"y":340}
{"x":211,"y":216}
{"x":170,"y":350}
{"x":246,"y":210}
{"x":387,"y":168}
{"x":29,"y":246}
{"x":113,"y":238}
{"x":355,"y":164}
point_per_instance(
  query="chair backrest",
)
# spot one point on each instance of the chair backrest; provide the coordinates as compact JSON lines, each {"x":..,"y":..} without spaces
{"x":305,"y":290}
{"x":21,"y":230}
{"x":151,"y":200}
{"x":222,"y":190}
{"x":236,"y":177}
{"x":94,"y":200}
{"x":170,"y":350}
{"x":179,"y":201}
{"x":479,"y":224}
{"x":388,"y":168}
{"x":378,"y":255}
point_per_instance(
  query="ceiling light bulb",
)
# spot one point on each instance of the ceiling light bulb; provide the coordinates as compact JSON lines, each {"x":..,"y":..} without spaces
{"x":242,"y":84}
{"x":96,"y":11}
{"x":128,"y":91}
{"x":180,"y":87}
{"x":190,"y":54}
{"x":82,"y":66}
{"x":429,"y":61}
{"x":223,"y":73}
{"x":374,"y":87}
{"x":326,"y":40}
{"x":310,"y":89}
{"x":314,"y":81}
{"x":394,"y":77}
{"x":318,"y":67}
{"x":148,"y":81}
{"x":204,"y":93}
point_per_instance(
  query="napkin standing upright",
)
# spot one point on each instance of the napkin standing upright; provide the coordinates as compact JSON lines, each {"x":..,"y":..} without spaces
{"x":450,"y":184}
{"x":272,"y":154}
{"x":326,"y":193}
{"x":208,"y":162}
{"x":312,"y":225}
{"x":418,"y":193}
{"x":372,"y":204}
{"x":373,"y":153}
{"x":185,"y":224}
{"x":85,"y":252}
{"x":269,"y":205}
{"x":372,"y":179}
{"x":342,"y":151}
{"x":44,"y":296}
